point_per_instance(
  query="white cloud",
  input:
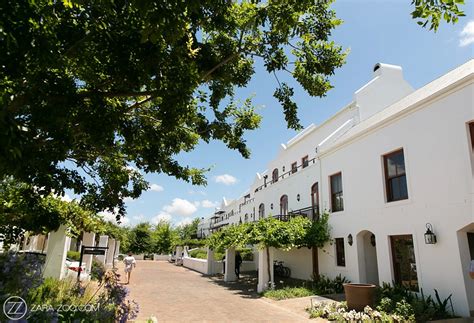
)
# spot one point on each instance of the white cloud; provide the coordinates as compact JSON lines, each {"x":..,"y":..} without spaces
{"x":124,"y":222}
{"x":209,"y":204}
{"x":226,"y":179}
{"x":180,"y":207}
{"x":184,"y":221}
{"x":66,"y":198}
{"x":467,"y":34}
{"x":192,"y":192}
{"x":109,"y":216}
{"x":162,"y":216}
{"x":128,"y":199}
{"x":138,"y":217}
{"x":197,"y":203}
{"x":156,"y":188}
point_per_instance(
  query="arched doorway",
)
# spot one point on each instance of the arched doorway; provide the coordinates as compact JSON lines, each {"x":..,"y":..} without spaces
{"x":284,"y":205}
{"x":367,"y":258}
{"x":261,"y":211}
{"x":315,"y":200}
{"x":275,"y":175}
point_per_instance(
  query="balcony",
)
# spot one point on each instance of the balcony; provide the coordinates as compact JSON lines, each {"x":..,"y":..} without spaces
{"x":287,"y":174}
{"x":310,"y":212}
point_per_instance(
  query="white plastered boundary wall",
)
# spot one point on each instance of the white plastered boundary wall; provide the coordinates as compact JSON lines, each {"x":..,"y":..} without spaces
{"x":300,"y":261}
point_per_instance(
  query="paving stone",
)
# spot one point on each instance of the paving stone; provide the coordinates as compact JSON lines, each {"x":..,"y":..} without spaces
{"x":177,"y":294}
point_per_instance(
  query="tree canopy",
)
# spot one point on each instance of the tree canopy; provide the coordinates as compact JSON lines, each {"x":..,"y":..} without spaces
{"x":94,"y":93}
{"x":23,"y":208}
{"x":91,"y":90}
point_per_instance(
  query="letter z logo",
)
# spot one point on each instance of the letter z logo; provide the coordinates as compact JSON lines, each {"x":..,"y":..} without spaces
{"x":15,"y":308}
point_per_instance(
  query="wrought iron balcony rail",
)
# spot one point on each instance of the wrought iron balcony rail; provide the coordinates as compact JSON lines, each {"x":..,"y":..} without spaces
{"x":286,"y":174}
{"x":311,"y":212}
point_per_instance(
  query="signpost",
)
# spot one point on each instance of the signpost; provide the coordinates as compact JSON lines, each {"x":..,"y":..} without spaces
{"x":85,"y":250}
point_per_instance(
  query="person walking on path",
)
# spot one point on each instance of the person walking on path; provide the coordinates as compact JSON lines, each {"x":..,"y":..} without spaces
{"x":130,"y":263}
{"x":238,"y":262}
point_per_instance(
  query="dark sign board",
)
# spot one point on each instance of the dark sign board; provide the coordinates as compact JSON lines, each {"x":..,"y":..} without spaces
{"x":94,"y":251}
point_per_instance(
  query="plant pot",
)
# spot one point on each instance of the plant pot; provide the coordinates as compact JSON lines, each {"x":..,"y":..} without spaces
{"x":358,"y":296}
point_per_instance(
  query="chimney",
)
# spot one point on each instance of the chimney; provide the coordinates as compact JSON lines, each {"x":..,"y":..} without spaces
{"x":387,"y":87}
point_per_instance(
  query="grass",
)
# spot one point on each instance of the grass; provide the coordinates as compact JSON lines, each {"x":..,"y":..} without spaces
{"x":288,"y":292}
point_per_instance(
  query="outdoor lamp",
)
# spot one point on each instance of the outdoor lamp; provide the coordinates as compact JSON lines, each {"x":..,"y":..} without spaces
{"x":349,"y":239}
{"x":430,"y":237}
{"x":271,"y":206}
{"x":298,"y":197}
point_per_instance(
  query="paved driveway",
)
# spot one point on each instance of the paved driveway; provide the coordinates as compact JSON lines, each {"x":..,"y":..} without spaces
{"x":177,"y":294}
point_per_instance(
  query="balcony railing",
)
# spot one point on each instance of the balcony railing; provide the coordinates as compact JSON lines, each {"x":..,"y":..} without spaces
{"x":310,"y":212}
{"x":286,"y":174}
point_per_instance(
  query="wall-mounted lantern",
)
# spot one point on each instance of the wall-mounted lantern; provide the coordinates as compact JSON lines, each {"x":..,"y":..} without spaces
{"x":271,"y":206}
{"x":298,"y":197}
{"x":430,"y":237}
{"x":350,"y":241}
{"x":372,"y":240}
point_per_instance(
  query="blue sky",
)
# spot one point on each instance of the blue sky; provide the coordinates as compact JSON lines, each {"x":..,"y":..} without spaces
{"x":374,"y":31}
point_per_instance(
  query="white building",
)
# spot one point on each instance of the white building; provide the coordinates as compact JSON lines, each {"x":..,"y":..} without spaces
{"x":392,"y":161}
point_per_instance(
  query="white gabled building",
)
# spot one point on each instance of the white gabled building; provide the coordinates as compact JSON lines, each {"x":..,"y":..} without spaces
{"x":392,"y":162}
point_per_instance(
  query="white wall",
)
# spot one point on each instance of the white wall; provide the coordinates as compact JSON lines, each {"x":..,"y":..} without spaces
{"x":199,"y":265}
{"x":300,"y":261}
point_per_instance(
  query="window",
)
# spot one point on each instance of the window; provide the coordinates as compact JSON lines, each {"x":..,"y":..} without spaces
{"x":304,"y":161}
{"x":404,"y":262}
{"x":261,"y":211}
{"x":315,"y":201}
{"x":340,"y":253}
{"x":275,"y":175}
{"x":337,"y":202}
{"x":294,"y":168}
{"x":284,"y":205}
{"x":471,"y":134}
{"x":395,"y":176}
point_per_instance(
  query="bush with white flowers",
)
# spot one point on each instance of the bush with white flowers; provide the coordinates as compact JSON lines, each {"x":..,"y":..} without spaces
{"x":334,"y":311}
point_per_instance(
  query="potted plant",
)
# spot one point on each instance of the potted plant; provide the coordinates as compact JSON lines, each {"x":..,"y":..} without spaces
{"x":358,"y":296}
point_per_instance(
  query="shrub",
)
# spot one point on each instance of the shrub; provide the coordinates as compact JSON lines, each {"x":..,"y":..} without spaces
{"x":19,"y":272}
{"x":74,"y":255}
{"x":110,"y":305}
{"x":198,"y":253}
{"x":97,"y":270}
{"x":288,"y":292}
{"x":218,"y":255}
{"x":400,"y":300}
{"x":325,"y":285}
{"x":246,"y":254}
{"x":339,"y":312}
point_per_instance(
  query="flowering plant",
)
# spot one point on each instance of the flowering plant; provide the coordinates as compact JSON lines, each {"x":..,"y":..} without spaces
{"x":339,"y":312}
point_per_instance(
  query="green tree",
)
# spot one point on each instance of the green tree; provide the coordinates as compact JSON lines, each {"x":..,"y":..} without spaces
{"x":93,"y":93}
{"x":119,"y":233}
{"x":432,"y":12}
{"x":188,"y":231}
{"x":164,"y":237}
{"x":24,"y":208}
{"x":89,"y":89}
{"x":140,"y":239}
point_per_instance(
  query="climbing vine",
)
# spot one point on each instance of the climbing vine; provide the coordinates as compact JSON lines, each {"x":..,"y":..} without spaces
{"x":270,"y":232}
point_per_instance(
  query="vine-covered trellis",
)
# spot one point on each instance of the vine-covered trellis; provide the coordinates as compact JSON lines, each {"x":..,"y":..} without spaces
{"x":269,"y":232}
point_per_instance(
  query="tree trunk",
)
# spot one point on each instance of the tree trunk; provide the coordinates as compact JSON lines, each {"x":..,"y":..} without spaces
{"x":268,"y":264}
